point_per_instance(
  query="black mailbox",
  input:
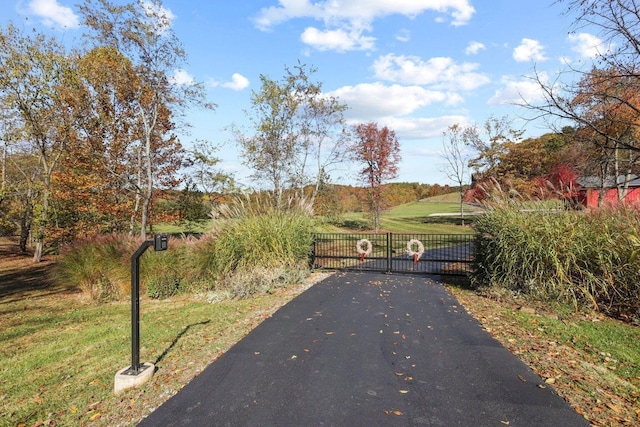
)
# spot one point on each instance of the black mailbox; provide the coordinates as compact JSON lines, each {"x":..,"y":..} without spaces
{"x":160,"y":242}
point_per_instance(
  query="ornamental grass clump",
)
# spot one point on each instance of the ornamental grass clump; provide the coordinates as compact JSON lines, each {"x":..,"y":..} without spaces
{"x":254,"y":235}
{"x":587,"y":259}
{"x":97,"y":264}
{"x":101,"y":266}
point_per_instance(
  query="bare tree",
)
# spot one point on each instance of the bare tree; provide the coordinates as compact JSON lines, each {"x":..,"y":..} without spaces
{"x":602,"y":101}
{"x":455,"y":150}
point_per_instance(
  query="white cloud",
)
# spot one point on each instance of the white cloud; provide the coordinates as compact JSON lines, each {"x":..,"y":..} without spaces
{"x":420,"y":127}
{"x":519,"y":92}
{"x":238,"y":82}
{"x":181,"y":77}
{"x":587,"y":45}
{"x":350,"y":17}
{"x":338,"y":40}
{"x":329,"y":11}
{"x":529,"y":50}
{"x":403,"y":35}
{"x":370,"y":101}
{"x":53,"y":14}
{"x":474,"y":48}
{"x":441,"y":72}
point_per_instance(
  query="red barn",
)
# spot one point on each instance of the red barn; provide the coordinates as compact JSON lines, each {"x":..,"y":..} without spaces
{"x":590,"y":188}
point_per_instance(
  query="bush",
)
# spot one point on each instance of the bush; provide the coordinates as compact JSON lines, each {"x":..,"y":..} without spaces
{"x":163,"y":287}
{"x":98,"y":265}
{"x":252,"y":237}
{"x":588,"y":259}
{"x":101,"y":266}
{"x":255,"y":247}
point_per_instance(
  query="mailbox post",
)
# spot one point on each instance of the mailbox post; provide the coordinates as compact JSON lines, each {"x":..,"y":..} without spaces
{"x":126,"y":378}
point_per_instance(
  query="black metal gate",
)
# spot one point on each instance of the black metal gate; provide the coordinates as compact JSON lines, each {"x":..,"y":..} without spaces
{"x":394,"y":253}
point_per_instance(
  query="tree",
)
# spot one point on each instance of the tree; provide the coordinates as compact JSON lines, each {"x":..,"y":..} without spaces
{"x":207,"y":177}
{"x":608,"y":101}
{"x":299,"y":133}
{"x":603,"y":101}
{"x":34,"y":83}
{"x":490,"y":144}
{"x":322,"y":130}
{"x":379,"y":151}
{"x":455,"y":150}
{"x":192,"y":209}
{"x":95,"y":184}
{"x":142,"y":32}
{"x":22,"y":192}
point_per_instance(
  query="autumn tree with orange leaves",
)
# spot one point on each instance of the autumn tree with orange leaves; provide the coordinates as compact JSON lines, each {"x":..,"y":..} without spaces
{"x":142,"y":32}
{"x":602,"y":102}
{"x":379,"y":151}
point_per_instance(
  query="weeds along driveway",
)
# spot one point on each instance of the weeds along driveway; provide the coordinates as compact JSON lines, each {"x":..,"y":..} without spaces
{"x":367,"y":349}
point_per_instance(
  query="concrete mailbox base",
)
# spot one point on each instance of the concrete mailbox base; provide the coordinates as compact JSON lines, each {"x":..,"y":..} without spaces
{"x":125,"y":380}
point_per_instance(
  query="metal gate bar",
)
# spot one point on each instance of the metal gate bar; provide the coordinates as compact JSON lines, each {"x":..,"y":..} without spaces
{"x":443,"y":253}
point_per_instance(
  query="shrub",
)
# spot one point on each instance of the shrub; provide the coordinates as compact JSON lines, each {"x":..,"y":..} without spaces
{"x":252,"y":236}
{"x":97,"y":264}
{"x":163,"y":287}
{"x":587,"y":259}
{"x":101,"y":266}
{"x":255,"y":247}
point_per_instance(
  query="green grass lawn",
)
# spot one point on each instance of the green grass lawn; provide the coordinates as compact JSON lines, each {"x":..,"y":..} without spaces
{"x":415,"y":217}
{"x":59,"y":355}
{"x":178,"y":229}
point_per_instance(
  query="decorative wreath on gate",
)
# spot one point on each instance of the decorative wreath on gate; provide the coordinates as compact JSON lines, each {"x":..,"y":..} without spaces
{"x":363,"y":252}
{"x":418,"y":254}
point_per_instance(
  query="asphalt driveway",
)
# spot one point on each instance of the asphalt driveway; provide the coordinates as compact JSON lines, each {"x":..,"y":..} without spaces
{"x":368,"y":349}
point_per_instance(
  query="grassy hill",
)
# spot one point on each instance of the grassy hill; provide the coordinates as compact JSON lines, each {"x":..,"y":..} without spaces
{"x":416,"y":217}
{"x":413,"y":217}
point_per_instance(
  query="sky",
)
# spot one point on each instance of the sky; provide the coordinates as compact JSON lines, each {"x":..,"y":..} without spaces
{"x":415,"y":66}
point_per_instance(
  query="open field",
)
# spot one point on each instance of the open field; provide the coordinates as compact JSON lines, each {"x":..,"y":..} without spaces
{"x":415,"y":217}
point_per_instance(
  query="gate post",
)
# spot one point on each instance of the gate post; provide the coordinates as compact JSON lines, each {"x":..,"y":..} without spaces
{"x":389,"y":246}
{"x":312,"y":255}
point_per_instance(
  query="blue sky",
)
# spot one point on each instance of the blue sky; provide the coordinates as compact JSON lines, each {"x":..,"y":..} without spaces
{"x":416,"y":66}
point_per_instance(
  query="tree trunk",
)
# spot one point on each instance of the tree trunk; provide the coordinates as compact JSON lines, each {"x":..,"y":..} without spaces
{"x":461,"y":205}
{"x":41,"y":229}
{"x":146,"y":201}
{"x":25,"y":229}
{"x":603,"y":175}
{"x":138,"y":197}
{"x":4,"y":171}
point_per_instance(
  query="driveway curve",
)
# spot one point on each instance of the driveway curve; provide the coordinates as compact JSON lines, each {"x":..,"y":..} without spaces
{"x":368,"y":349}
